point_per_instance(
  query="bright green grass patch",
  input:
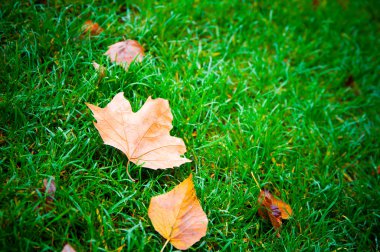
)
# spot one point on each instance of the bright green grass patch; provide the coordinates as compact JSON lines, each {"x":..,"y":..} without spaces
{"x":264,"y":85}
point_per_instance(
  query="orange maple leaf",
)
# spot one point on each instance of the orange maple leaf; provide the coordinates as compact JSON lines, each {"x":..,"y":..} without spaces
{"x":178,"y":216}
{"x":123,"y":53}
{"x":275,"y":209}
{"x":91,"y":27}
{"x":142,"y":136}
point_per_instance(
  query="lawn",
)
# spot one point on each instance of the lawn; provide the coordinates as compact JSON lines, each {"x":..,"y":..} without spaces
{"x":277,"y":95}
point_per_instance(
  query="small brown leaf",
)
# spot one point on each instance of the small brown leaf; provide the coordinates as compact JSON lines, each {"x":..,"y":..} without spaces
{"x":50,"y":186}
{"x":274,"y":209}
{"x":319,"y":3}
{"x":93,"y":28}
{"x":350,"y":81}
{"x":123,"y":53}
{"x":100,"y":69}
{"x":2,"y":135}
{"x":194,"y":134}
{"x":48,"y":189}
{"x":178,"y":216}
{"x":144,"y":137}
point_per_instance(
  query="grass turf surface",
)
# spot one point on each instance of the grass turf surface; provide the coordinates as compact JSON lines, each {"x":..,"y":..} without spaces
{"x":283,"y":91}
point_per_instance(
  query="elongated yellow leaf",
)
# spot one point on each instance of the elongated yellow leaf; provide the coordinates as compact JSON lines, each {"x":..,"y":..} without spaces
{"x":178,"y":215}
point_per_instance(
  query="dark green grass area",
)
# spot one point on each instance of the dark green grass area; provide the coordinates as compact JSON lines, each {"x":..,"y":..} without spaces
{"x":282,"y":92}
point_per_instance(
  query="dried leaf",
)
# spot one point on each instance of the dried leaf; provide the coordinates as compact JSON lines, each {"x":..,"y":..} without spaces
{"x":319,"y":3}
{"x":351,"y":83}
{"x":142,"y":136}
{"x":274,"y":209}
{"x":68,"y":248}
{"x":285,"y":209}
{"x":96,"y":66}
{"x":178,"y":215}
{"x":195,"y":133}
{"x":49,"y":188}
{"x":92,"y":28}
{"x":123,"y":53}
{"x":101,"y":69}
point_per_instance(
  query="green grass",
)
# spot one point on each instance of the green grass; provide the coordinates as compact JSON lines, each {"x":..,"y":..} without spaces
{"x":264,"y":85}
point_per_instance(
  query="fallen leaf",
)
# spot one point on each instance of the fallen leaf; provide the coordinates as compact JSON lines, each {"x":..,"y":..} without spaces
{"x":194,"y":134}
{"x":49,"y":188}
{"x":68,"y":248}
{"x":123,"y":53}
{"x":49,"y":191}
{"x":100,"y":69}
{"x":142,"y":136}
{"x":92,"y":28}
{"x":319,"y":3}
{"x":349,"y":82}
{"x":178,"y":216}
{"x":274,"y":209}
{"x":2,"y":135}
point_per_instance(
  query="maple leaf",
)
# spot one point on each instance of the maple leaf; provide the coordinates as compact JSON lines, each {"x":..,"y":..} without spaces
{"x":275,"y":209}
{"x":91,"y":27}
{"x":142,"y":136}
{"x":178,"y":216}
{"x":123,"y":53}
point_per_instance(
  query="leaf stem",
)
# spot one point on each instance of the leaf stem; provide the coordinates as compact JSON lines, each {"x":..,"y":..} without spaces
{"x":166,"y":243}
{"x":133,"y":180}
